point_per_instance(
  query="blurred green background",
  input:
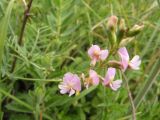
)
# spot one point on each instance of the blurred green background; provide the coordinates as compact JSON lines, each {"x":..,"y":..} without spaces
{"x":57,"y":36}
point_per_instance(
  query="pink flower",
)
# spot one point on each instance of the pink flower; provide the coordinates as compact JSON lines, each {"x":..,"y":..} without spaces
{"x":108,"y":81}
{"x":97,"y":54}
{"x":93,"y":79}
{"x":133,"y":64}
{"x":71,"y":84}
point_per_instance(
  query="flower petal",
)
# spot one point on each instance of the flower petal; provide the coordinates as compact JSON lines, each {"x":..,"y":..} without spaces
{"x":124,"y":63}
{"x":76,"y":83}
{"x":92,"y":50}
{"x":94,"y":76}
{"x":71,"y":92}
{"x":123,"y":54}
{"x":135,"y":62}
{"x":103,"y":54}
{"x":63,"y":88}
{"x":67,"y":77}
{"x":115,"y":85}
{"x":70,"y":82}
{"x":109,"y":75}
{"x":63,"y":91}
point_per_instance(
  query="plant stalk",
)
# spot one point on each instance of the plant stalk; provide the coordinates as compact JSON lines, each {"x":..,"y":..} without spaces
{"x":20,"y":40}
{"x":130,"y":98}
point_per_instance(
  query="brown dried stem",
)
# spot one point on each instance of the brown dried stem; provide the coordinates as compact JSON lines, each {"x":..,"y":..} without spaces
{"x":20,"y":40}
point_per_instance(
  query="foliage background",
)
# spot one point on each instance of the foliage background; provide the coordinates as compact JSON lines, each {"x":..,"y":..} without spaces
{"x":56,"y":38}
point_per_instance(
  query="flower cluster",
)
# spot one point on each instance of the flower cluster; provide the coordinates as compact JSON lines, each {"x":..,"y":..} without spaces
{"x":71,"y":83}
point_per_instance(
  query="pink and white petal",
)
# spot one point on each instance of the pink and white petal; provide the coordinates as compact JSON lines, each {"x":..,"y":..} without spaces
{"x":106,"y":81}
{"x":76,"y":83}
{"x":109,"y":75}
{"x":134,"y":66}
{"x":117,"y":82}
{"x":71,"y":92}
{"x":103,"y":54}
{"x":64,"y":91}
{"x":115,"y":85}
{"x":112,"y":87}
{"x":123,"y":53}
{"x":124,"y":63}
{"x":61,"y":86}
{"x":95,"y":80}
{"x":111,"y":72}
{"x":135,"y":58}
{"x":67,"y":77}
{"x":94,"y":76}
{"x":92,"y":50}
{"x":135,"y":62}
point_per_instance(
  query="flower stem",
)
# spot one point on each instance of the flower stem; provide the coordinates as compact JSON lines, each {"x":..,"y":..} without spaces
{"x":130,"y":97}
{"x":20,"y":40}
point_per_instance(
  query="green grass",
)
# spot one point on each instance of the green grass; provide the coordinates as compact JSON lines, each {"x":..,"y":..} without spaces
{"x":57,"y":36}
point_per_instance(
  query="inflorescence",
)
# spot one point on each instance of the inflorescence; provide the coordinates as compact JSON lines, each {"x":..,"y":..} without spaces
{"x":119,"y":36}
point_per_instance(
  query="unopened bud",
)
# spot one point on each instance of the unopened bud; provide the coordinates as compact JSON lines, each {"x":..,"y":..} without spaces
{"x":83,"y":76}
{"x":112,"y":23}
{"x":134,"y":30}
{"x":121,"y":31}
{"x":115,"y":64}
{"x":122,"y":26}
{"x":125,"y":41}
{"x":112,"y":27}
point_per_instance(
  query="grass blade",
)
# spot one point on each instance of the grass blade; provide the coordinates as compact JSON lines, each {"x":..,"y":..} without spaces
{"x":152,"y":77}
{"x":16,"y":99}
{"x":4,"y":28}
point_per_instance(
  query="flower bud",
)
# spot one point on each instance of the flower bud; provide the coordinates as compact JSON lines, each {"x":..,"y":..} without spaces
{"x":111,"y":32}
{"x":121,"y":31}
{"x":115,"y":64}
{"x":134,"y":30}
{"x":112,"y":23}
{"x":125,"y":41}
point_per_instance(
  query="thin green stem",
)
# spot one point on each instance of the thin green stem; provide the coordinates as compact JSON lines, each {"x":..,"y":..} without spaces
{"x":128,"y":116}
{"x":96,"y":14}
{"x":130,"y":97}
{"x":16,"y":99}
{"x":36,"y":79}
